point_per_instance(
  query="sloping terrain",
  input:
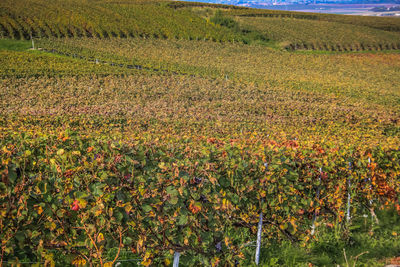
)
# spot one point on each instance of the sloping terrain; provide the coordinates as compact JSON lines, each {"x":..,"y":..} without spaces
{"x":293,"y":33}
{"x":309,"y":31}
{"x":75,"y":18}
{"x":128,"y":149}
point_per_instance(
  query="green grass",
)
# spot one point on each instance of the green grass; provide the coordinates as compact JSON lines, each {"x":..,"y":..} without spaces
{"x":365,"y":245}
{"x":14,"y":45}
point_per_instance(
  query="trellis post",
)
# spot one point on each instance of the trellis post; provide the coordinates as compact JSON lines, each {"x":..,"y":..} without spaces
{"x":259,"y":229}
{"x":176,"y":259}
{"x":348,"y":217}
{"x":315,"y":212}
{"x":33,"y":43}
{"x":259,"y":232}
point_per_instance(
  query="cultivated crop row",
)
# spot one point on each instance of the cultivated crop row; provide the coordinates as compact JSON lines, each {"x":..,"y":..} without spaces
{"x":306,"y":34}
{"x":336,"y":74}
{"x":100,"y":161}
{"x":21,"y":20}
{"x":84,"y":196}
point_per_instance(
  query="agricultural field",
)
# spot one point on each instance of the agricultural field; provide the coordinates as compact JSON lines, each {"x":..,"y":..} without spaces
{"x":38,"y":18}
{"x":305,"y":31}
{"x":132,"y":148}
{"x":294,"y":33}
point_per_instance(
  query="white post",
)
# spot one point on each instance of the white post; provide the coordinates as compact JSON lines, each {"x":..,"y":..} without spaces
{"x":369,"y":178}
{"x":176,"y":259}
{"x":33,"y":43}
{"x":348,"y":197}
{"x":315,"y":213}
{"x":259,"y":232}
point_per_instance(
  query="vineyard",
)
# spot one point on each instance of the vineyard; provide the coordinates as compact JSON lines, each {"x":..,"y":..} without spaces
{"x":194,"y":21}
{"x":306,"y":34}
{"x":102,"y":19}
{"x":136,"y":148}
{"x":310,"y":31}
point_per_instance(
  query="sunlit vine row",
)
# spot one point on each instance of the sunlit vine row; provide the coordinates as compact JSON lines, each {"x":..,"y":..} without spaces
{"x":103,"y":19}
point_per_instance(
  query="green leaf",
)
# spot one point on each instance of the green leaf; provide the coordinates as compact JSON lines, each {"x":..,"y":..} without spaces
{"x":171,"y":191}
{"x":223,"y":181}
{"x":182,"y":219}
{"x":118,"y":216}
{"x":20,"y":236}
{"x":12,"y":175}
{"x":3,"y":188}
{"x":146,"y":208}
{"x":127,"y":240}
{"x":206,"y":238}
{"x":173,"y":200}
{"x":43,"y":187}
{"x":97,"y":189}
{"x":234,"y":198}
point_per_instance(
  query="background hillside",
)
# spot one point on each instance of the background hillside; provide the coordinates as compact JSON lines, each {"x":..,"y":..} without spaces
{"x":102,"y":18}
{"x":196,"y":21}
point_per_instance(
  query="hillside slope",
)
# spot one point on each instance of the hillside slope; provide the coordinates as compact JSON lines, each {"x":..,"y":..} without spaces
{"x":101,"y":18}
{"x":195,"y":21}
{"x":311,"y":31}
{"x":125,"y":141}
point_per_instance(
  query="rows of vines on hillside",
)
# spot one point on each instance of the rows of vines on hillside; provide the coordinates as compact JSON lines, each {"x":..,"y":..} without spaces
{"x":21,"y":20}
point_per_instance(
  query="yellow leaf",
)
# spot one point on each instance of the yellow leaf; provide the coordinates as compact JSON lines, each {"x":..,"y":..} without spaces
{"x":82,"y":203}
{"x":52,"y":226}
{"x":60,"y":152}
{"x":212,"y":180}
{"x":226,"y":241}
{"x":98,"y":212}
{"x":79,"y":261}
{"x":39,"y":209}
{"x":147,"y":259}
{"x":128,"y":208}
{"x":146,"y":262}
{"x":100,"y":237}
